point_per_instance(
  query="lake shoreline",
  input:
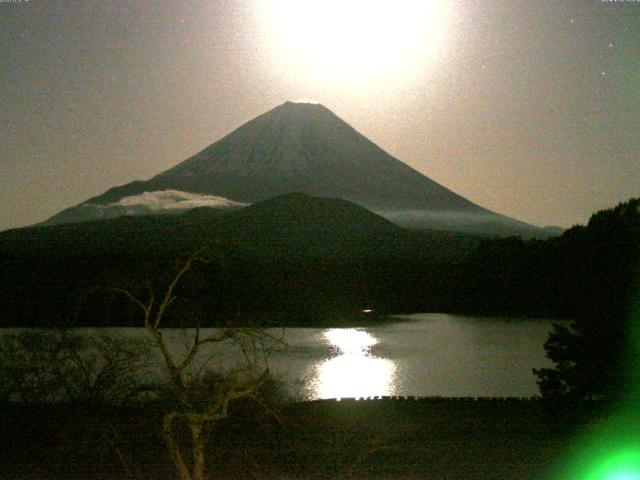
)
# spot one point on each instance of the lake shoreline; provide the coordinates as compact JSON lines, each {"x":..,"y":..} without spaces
{"x":361,"y":319}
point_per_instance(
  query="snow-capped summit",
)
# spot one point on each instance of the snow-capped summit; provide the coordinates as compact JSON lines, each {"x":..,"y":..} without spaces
{"x":304,"y":147}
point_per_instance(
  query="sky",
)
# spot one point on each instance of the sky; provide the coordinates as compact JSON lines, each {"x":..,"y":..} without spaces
{"x":528,"y":108}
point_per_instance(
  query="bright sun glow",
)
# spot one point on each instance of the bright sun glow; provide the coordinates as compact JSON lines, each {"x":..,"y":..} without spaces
{"x":360,"y":41}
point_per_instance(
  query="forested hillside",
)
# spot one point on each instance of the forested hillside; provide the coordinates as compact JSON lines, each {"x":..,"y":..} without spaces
{"x":300,"y":260}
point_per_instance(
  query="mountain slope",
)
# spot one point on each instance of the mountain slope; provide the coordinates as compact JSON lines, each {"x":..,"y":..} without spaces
{"x":289,"y":254}
{"x":299,"y":225}
{"x":306,"y":148}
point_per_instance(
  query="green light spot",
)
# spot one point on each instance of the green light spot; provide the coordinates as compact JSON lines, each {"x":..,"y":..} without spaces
{"x":623,"y":465}
{"x":623,"y":476}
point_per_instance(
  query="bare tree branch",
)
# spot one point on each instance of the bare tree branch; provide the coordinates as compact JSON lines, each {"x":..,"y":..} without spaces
{"x":203,"y":398}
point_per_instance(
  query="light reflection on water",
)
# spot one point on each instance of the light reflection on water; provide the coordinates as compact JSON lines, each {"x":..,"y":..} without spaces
{"x":354,"y":371}
{"x":422,"y":355}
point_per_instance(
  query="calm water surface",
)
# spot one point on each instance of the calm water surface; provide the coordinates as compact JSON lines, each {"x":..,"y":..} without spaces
{"x":420,"y":354}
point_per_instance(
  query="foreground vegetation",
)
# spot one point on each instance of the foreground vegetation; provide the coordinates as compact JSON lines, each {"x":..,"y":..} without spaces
{"x":431,"y":439}
{"x":193,"y":388}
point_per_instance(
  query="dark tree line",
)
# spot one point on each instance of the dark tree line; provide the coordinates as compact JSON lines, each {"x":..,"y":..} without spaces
{"x":590,"y":276}
{"x":596,"y":356}
{"x":290,"y":276}
{"x":588,"y":270}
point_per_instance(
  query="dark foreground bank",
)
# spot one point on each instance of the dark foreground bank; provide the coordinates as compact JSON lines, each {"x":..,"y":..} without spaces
{"x":399,"y":439}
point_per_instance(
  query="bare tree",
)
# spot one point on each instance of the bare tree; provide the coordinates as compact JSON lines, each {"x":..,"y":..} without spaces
{"x":198,"y":395}
{"x":60,"y":365}
{"x":84,"y":370}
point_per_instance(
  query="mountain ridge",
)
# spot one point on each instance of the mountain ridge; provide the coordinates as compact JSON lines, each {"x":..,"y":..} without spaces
{"x":301,"y":147}
{"x":296,"y":255}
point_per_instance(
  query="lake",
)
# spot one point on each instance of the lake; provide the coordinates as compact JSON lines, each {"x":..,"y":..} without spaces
{"x":420,"y":354}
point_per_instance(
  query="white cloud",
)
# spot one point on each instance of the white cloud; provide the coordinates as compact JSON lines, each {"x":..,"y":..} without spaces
{"x":175,"y":200}
{"x":160,"y":202}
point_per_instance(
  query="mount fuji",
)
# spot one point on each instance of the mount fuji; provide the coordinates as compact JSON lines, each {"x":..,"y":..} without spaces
{"x":298,"y":147}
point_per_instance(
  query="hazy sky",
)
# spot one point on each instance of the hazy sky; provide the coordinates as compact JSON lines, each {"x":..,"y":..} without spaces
{"x":529,"y":108}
